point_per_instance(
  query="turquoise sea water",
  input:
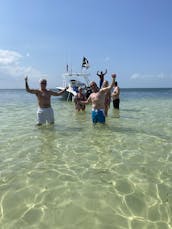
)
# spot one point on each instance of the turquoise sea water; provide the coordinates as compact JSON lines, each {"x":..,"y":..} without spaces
{"x":76,"y":176}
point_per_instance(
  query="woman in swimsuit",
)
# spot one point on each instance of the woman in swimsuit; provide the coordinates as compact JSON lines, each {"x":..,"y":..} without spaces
{"x":79,"y":97}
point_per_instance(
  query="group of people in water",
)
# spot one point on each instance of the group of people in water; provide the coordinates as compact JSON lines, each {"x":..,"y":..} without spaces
{"x":79,"y":105}
{"x":100,"y":98}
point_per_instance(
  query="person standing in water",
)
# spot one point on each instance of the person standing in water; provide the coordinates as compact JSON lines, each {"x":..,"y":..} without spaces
{"x":101,"y":76}
{"x":45,"y":112}
{"x":115,"y":96}
{"x":97,"y":99}
{"x":79,"y":97}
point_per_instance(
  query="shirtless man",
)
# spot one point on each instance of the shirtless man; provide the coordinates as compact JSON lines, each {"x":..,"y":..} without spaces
{"x":115,"y":96}
{"x":45,"y":111}
{"x":97,"y":99}
{"x":101,"y":76}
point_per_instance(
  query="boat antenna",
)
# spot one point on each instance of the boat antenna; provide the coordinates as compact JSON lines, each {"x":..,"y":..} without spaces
{"x":67,"y":68}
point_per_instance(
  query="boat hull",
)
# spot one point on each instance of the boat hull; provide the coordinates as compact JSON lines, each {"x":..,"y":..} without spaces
{"x":67,"y":95}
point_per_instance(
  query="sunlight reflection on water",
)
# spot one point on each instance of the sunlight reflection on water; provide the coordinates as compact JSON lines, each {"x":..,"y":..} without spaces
{"x":74,"y":175}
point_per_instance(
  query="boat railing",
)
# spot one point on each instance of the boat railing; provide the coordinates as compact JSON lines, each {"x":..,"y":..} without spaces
{"x":68,"y":75}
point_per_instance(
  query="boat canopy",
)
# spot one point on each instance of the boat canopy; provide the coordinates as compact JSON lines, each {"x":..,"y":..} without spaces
{"x":76,"y":76}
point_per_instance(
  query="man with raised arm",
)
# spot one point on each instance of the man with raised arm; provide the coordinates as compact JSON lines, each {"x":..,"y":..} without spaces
{"x":101,"y":76}
{"x":45,"y":112}
{"x":97,"y":99}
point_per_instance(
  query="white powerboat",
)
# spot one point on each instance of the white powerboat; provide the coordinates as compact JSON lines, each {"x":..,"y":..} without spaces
{"x":74,"y":80}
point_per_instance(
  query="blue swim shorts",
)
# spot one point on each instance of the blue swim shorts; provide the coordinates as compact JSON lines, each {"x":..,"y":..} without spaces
{"x":98,"y":115}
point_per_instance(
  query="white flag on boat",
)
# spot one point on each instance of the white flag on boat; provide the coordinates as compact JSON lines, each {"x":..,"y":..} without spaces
{"x":85,"y":63}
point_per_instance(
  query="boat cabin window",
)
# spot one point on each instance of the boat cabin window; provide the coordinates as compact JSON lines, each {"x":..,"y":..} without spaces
{"x":73,"y":82}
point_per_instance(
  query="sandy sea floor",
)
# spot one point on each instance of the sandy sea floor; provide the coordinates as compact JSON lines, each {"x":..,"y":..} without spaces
{"x":74,"y":175}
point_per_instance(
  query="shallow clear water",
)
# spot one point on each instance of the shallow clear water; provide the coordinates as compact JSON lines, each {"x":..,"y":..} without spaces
{"x":76,"y":176}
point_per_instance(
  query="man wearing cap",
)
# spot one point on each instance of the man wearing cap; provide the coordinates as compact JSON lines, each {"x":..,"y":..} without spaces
{"x":45,"y":112}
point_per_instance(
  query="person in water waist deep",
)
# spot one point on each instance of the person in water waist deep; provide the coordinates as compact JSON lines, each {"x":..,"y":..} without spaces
{"x":115,"y":96}
{"x":97,"y":99}
{"x":45,"y":112}
{"x":79,"y":97}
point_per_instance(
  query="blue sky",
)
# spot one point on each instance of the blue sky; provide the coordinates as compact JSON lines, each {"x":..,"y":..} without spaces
{"x":130,"y":37}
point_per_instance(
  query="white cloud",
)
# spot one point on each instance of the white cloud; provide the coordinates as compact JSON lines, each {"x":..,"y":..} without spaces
{"x":9,"y":57}
{"x":138,"y":76}
{"x":10,"y":65}
{"x":135,"y":76}
{"x":28,"y":54}
{"x":161,"y":76}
